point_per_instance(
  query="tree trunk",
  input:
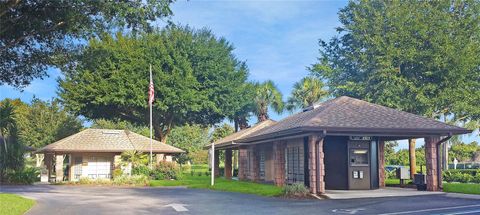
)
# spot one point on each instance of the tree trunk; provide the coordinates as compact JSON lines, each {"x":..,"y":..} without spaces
{"x":413,"y":161}
{"x":235,"y":124}
{"x":262,"y":117}
{"x":160,"y":133}
{"x":243,"y":124}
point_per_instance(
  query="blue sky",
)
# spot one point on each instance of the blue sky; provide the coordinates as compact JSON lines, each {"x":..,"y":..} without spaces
{"x":277,"y":39}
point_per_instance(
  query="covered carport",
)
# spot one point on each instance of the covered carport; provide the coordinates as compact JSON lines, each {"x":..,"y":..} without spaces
{"x":339,"y":144}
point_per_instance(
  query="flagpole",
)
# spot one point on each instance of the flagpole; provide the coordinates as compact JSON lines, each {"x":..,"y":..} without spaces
{"x":151,"y":127}
{"x":212,"y":180}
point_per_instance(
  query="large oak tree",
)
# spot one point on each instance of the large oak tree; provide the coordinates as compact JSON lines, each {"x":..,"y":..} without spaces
{"x":196,"y":77}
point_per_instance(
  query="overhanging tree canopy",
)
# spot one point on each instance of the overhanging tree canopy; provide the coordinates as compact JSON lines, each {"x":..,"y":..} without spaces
{"x":35,"y":34}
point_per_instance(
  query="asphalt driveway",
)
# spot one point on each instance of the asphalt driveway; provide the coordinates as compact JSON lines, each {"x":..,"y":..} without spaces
{"x":53,"y":199}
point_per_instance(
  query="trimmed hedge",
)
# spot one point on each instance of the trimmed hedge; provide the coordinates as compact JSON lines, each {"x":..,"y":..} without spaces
{"x":161,"y":171}
{"x":462,"y":176}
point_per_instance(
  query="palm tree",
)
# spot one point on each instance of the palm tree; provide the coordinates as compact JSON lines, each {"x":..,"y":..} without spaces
{"x":7,"y":121}
{"x":135,"y":158}
{"x":267,"y":95}
{"x":305,"y":93}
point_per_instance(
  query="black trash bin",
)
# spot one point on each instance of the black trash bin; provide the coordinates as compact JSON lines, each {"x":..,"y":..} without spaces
{"x":419,"y":180}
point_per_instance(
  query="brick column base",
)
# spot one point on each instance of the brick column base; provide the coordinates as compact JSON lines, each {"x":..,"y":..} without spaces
{"x":255,"y":168}
{"x":321,"y":166}
{"x":381,"y":163}
{"x":228,"y":164}
{"x":242,"y":163}
{"x":279,"y":163}
{"x":431,"y":163}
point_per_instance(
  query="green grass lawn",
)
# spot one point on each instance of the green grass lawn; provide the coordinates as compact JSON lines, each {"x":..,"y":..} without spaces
{"x":11,"y":204}
{"x":203,"y":182}
{"x":394,"y":181}
{"x":461,"y":188}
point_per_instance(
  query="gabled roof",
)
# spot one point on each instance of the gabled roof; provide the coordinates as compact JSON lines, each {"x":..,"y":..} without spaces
{"x":107,"y":140}
{"x":232,"y":138}
{"x":349,"y":115}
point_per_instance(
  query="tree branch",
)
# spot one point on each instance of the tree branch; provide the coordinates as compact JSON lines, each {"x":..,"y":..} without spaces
{"x":18,"y":40}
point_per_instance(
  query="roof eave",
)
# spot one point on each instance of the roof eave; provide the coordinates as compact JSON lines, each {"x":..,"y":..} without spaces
{"x":384,"y":132}
{"x":43,"y":151}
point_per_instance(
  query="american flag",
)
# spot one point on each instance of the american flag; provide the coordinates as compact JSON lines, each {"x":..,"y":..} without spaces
{"x":151,"y":91}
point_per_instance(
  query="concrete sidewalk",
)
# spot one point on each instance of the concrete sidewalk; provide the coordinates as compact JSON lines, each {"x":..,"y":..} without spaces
{"x":383,"y":192}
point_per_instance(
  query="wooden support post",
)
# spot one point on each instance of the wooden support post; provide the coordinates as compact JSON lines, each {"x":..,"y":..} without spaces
{"x":412,"y":157}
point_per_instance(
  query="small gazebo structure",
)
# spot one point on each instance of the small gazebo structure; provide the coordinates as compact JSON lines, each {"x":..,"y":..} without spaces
{"x":95,"y":153}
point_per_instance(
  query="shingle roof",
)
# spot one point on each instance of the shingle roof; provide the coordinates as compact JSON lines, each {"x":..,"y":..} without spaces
{"x":107,"y":140}
{"x":230,"y":139}
{"x":353,"y":115}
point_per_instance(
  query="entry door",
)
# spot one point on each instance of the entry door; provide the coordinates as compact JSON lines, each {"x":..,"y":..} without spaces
{"x":359,"y":165}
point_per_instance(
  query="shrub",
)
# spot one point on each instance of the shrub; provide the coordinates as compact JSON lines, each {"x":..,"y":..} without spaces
{"x":476,"y":179}
{"x":134,"y":180}
{"x":295,"y":190}
{"x":28,"y":175}
{"x":166,"y":170}
{"x":390,"y":174}
{"x":117,"y":173}
{"x":122,"y":180}
{"x":199,"y":157}
{"x":199,"y":173}
{"x":141,"y":170}
{"x":462,"y":176}
{"x":98,"y":181}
